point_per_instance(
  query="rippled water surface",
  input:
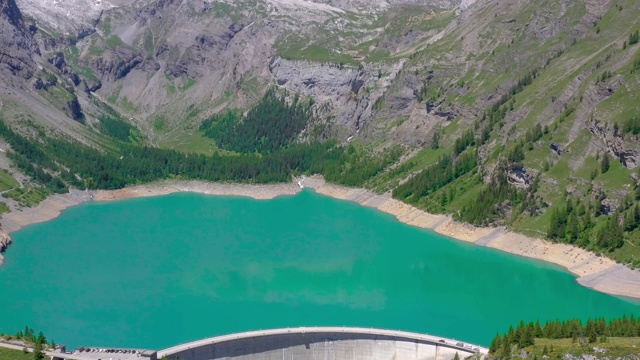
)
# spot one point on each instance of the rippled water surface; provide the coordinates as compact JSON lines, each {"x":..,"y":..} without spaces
{"x":155,"y":272}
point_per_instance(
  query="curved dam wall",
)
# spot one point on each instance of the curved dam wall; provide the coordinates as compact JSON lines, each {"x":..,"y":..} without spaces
{"x":323,"y":343}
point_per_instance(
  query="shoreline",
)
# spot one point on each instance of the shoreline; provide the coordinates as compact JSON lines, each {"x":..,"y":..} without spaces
{"x":51,"y":207}
{"x":595,"y":272}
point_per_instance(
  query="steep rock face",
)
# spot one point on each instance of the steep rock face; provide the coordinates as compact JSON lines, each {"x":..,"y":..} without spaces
{"x":328,"y":84}
{"x":74,"y":111}
{"x":16,"y":44}
{"x":346,"y":94}
{"x":115,"y":64}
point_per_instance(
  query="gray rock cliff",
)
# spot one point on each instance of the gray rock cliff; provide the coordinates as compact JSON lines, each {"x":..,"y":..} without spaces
{"x":16,"y":44}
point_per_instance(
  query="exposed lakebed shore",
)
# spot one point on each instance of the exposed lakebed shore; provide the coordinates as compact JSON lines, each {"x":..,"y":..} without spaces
{"x":593,"y":271}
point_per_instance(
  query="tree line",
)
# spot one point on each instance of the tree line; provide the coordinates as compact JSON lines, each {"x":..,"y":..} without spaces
{"x":524,"y":334}
{"x":58,"y":163}
{"x":37,"y":341}
{"x":447,"y":169}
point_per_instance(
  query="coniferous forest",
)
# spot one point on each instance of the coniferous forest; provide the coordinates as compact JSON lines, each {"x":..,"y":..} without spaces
{"x":598,"y":330}
{"x":269,"y":126}
{"x":263,"y":140}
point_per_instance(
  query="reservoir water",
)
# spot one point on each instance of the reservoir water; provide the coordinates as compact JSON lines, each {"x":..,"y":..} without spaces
{"x":154,"y":272}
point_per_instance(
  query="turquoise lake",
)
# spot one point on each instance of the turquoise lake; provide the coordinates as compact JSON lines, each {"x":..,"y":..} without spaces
{"x":154,"y":272}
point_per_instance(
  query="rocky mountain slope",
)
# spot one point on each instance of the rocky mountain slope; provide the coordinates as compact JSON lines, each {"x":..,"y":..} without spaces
{"x":535,"y":103}
{"x":16,"y":44}
{"x":158,"y":61}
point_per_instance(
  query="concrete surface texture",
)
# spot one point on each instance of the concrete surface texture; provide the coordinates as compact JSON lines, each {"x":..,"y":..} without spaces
{"x":323,"y":343}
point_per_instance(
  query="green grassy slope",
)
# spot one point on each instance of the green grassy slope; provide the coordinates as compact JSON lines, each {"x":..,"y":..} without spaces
{"x":10,"y":354}
{"x":573,"y":74}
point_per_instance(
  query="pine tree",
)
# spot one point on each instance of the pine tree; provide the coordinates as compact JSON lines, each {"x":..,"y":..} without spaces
{"x":457,"y":357}
{"x":435,"y":143}
{"x":632,"y":218}
{"x":538,"y":332}
{"x":41,"y":338}
{"x":506,"y":349}
{"x":557,"y":224}
{"x":569,"y":205}
{"x":573,"y":228}
{"x":495,"y":344}
{"x":527,"y":338}
{"x":603,"y":339}
{"x":510,"y":334}
{"x":37,"y":351}
{"x":605,"y":163}
{"x":519,"y":334}
{"x":634,"y":37}
{"x":530,"y":336}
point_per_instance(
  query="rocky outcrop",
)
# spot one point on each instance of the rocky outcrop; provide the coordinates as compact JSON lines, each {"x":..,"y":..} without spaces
{"x":210,"y":41}
{"x":116,"y":64}
{"x":519,"y":177}
{"x":5,"y":240}
{"x":557,"y":149}
{"x":625,"y":149}
{"x":90,"y":85}
{"x":59,"y":62}
{"x":74,"y":110}
{"x":43,"y":84}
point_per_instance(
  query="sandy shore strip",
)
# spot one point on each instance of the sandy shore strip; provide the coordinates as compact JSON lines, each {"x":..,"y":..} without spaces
{"x":255,"y":191}
{"x":596,"y":272}
{"x":593,"y":271}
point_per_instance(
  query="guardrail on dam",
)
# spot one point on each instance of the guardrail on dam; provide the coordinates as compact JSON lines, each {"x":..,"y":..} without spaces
{"x":323,"y":343}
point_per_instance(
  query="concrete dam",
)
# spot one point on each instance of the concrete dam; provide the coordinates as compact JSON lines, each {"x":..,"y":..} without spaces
{"x":323,"y":343}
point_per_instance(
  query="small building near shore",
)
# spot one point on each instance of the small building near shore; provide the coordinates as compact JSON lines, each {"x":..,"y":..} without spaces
{"x":149,"y":354}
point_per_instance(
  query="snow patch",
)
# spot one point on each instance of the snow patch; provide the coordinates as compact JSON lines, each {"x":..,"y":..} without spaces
{"x":299,"y":4}
{"x":64,"y":16}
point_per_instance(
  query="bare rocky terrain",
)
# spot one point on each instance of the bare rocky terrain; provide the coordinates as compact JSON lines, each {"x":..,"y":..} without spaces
{"x":161,"y":59}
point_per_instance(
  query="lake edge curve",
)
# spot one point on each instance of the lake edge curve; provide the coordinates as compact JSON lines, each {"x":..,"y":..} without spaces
{"x":592,"y":271}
